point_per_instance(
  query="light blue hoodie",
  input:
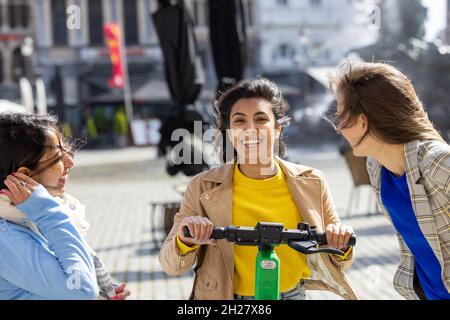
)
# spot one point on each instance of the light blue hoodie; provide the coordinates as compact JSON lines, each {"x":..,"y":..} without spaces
{"x":60,"y":267}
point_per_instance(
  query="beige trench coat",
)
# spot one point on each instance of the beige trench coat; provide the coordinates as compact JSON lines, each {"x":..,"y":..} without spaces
{"x":210,"y":194}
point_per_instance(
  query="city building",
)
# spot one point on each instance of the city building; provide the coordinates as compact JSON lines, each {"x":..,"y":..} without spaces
{"x":295,"y":35}
{"x":78,"y":59}
{"x":74,"y":61}
{"x":16,"y":24}
{"x":284,"y":37}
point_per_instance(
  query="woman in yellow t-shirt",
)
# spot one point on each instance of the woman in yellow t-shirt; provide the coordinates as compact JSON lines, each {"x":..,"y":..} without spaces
{"x":255,"y":185}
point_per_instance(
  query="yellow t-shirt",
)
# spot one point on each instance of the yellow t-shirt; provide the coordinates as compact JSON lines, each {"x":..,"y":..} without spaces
{"x":265,"y":201}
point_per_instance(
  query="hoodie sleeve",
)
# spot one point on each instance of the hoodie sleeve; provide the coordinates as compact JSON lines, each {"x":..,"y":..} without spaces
{"x":68,"y":273}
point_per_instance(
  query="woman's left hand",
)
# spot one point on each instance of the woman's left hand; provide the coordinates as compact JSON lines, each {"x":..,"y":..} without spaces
{"x":122,"y":293}
{"x":338,"y":236}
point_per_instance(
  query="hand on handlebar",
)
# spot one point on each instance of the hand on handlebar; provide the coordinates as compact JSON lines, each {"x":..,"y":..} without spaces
{"x":338,"y":236}
{"x":200,"y":229}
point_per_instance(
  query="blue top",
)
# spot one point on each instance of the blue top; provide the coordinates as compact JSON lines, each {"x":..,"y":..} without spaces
{"x":397,"y":200}
{"x":31,"y":268}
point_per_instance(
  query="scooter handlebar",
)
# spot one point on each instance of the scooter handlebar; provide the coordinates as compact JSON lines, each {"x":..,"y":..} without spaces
{"x":229,"y":233}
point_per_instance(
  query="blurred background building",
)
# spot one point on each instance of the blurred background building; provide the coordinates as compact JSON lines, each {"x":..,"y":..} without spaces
{"x":299,"y":34}
{"x":293,"y":42}
{"x":76,"y":61}
{"x":283,"y":38}
{"x":16,"y":24}
{"x":80,"y":62}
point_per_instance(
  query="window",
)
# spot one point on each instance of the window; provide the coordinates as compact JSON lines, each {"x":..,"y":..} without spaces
{"x":130,"y":22}
{"x":316,"y":50}
{"x":12,"y":13}
{"x":315,"y":3}
{"x":285,"y":51}
{"x":59,"y":22}
{"x":95,"y":23}
{"x":18,"y":15}
{"x":283,"y":2}
{"x":25,"y":15}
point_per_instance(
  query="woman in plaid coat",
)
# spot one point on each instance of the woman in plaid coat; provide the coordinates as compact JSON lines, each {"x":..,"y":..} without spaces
{"x":380,"y":115}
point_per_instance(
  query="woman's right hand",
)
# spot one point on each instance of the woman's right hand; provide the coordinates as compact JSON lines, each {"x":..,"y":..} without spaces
{"x":200,"y":228}
{"x":20,"y":187}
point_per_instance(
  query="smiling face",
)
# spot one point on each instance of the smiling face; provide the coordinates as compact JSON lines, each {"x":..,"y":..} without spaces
{"x":253,"y":130}
{"x":54,"y":166}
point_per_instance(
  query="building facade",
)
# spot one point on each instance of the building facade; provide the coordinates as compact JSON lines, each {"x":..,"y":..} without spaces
{"x":301,"y":33}
{"x":16,"y":24}
{"x":284,"y":36}
{"x":71,"y":49}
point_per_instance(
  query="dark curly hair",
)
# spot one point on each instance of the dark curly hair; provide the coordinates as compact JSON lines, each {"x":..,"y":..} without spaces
{"x":256,"y":88}
{"x":24,"y":141}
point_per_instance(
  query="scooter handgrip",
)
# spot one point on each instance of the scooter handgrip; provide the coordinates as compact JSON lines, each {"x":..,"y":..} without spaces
{"x":352,"y":241}
{"x":322,"y":240}
{"x":217,"y":233}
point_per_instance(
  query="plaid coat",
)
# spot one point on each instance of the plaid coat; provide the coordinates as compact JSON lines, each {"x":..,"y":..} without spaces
{"x":428,"y":175}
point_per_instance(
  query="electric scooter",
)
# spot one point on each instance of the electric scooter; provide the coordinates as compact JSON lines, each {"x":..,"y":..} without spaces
{"x":266,"y":236}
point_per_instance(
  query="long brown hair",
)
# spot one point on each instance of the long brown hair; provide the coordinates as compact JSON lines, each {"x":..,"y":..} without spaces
{"x":23,"y":143}
{"x":387,"y":98}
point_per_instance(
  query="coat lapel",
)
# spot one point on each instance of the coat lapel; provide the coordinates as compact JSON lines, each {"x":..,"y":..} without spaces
{"x":419,"y":198}
{"x":218,"y":204}
{"x":306,"y":193}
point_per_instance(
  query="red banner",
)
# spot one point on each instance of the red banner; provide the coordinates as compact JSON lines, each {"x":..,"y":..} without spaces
{"x":112,"y":38}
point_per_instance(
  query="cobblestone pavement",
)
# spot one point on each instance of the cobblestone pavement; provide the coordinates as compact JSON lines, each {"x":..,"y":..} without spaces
{"x":119,"y":187}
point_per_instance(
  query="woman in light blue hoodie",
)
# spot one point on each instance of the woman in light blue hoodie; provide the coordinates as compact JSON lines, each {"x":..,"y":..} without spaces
{"x":43,"y":254}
